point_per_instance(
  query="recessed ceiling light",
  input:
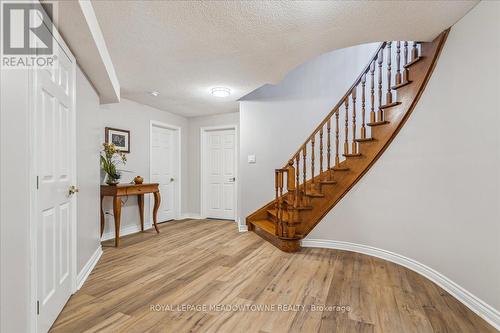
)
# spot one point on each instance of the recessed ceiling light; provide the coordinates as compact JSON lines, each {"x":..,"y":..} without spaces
{"x":155,"y":93}
{"x":221,"y":92}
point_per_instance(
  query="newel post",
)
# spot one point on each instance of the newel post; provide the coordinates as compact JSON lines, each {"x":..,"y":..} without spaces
{"x":278,"y":181}
{"x":276,"y":188}
{"x":290,"y":183}
{"x":293,"y":193}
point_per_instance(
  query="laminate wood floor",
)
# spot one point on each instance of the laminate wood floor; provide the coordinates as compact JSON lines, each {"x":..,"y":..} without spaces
{"x":153,"y":282}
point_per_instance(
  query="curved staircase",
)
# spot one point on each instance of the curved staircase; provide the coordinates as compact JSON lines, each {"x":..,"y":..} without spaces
{"x":347,"y":142}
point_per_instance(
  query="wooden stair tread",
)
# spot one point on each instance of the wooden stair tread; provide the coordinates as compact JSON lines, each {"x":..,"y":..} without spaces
{"x":274,"y":213}
{"x":328,"y":182}
{"x":339,"y":168}
{"x":364,"y":140}
{"x":302,"y":207}
{"x":402,"y":84}
{"x":315,"y":194}
{"x":299,"y":207}
{"x":265,"y":225}
{"x":285,"y":217}
{"x":378,"y":123}
{"x":267,"y":230}
{"x":390,"y":105}
{"x":352,"y":155}
{"x":413,"y":62}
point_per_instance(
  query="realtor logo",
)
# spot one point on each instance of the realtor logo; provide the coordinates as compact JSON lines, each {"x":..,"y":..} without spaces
{"x":27,"y":39}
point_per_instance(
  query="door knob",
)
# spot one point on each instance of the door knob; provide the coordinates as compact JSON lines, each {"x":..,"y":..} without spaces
{"x":172,"y":179}
{"x":73,"y":189}
{"x":232,"y":179}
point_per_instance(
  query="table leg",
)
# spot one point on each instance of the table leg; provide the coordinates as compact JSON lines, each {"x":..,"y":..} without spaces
{"x":140,"y":202}
{"x":117,"y":211}
{"x":155,"y":209}
{"x":102,"y":216}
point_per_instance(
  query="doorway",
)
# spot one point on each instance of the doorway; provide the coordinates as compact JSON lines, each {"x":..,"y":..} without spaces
{"x":53,"y":228}
{"x":165,"y":168}
{"x":218,"y":172}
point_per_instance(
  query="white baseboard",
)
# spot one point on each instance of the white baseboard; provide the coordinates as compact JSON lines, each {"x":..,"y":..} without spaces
{"x":87,"y":269}
{"x":241,"y":227}
{"x":131,"y":229}
{"x":191,"y":216}
{"x":481,"y":308}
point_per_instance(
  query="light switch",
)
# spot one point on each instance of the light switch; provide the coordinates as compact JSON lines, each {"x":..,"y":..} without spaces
{"x":251,"y":159}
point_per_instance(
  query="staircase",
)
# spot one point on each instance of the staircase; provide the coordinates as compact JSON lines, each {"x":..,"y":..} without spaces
{"x":347,"y":142}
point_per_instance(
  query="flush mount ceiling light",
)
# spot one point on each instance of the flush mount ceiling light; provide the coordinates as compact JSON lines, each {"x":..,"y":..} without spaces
{"x":221,"y":92}
{"x":155,"y":93}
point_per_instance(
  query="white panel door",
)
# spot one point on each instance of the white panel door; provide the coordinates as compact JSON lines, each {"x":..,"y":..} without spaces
{"x":220,"y":174}
{"x":164,"y":155}
{"x":54,"y":118}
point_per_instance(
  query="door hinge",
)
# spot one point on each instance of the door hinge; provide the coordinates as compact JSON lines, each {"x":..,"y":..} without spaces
{"x":37,"y":183}
{"x":37,"y":307}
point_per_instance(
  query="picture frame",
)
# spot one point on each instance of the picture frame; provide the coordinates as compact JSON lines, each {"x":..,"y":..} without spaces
{"x":119,"y":137}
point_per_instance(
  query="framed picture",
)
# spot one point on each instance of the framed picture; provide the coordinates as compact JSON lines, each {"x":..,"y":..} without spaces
{"x":120,"y":138}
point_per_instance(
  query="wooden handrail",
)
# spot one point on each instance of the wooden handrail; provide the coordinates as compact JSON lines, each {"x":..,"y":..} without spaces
{"x":341,"y":101}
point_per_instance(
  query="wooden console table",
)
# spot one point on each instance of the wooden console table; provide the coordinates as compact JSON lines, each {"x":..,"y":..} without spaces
{"x":121,"y":190}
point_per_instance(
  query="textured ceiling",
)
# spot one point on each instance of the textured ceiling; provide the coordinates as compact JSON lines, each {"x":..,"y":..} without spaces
{"x":183,"y":48}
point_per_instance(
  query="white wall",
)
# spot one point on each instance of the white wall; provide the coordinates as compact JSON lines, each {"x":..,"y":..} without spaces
{"x":14,"y":201}
{"x":194,"y":154}
{"x":136,"y":117}
{"x":434,"y":195}
{"x":275,"y":120}
{"x":88,"y":132}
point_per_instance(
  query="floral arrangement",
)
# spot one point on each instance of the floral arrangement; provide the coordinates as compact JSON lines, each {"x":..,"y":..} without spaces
{"x":111,"y":157}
